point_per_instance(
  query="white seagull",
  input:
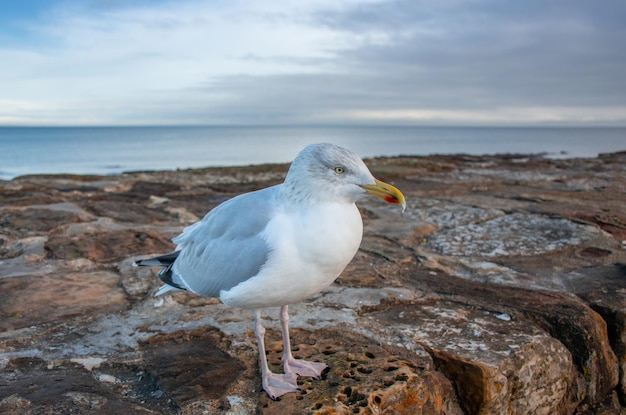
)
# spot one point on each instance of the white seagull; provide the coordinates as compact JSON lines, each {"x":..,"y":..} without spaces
{"x":278,"y":246}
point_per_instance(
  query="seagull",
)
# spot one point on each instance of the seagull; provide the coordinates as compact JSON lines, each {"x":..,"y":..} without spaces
{"x":278,"y":246}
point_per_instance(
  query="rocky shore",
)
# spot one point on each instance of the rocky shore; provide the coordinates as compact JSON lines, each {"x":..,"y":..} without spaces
{"x":501,"y":290}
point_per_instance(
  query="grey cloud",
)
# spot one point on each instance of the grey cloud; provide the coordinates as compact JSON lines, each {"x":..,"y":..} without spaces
{"x":458,"y":55}
{"x":556,"y":52}
{"x":429,"y":54}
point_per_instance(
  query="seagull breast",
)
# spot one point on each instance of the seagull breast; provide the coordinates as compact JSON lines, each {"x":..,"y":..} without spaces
{"x":308,"y":251}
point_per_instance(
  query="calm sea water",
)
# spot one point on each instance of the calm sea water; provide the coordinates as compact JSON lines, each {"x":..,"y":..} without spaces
{"x":112,"y":150}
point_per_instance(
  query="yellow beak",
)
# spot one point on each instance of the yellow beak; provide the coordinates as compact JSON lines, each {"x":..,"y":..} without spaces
{"x":386,"y":192}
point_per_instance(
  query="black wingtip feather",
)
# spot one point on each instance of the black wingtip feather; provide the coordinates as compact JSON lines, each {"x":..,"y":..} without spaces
{"x":159,"y":261}
{"x":166,"y":261}
{"x":166,"y":276}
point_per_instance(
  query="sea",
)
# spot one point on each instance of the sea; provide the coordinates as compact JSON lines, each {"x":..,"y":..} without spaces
{"x":114,"y":150}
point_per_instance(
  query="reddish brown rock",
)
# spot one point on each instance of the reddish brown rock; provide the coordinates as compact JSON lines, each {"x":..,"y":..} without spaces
{"x":568,"y":320}
{"x":363,"y":378}
{"x":26,"y":301}
{"x":186,"y":365}
{"x":498,"y":363}
{"x":500,"y":290}
{"x":34,"y":386}
{"x":103,"y":244}
{"x":603,"y":288}
{"x":25,"y":222}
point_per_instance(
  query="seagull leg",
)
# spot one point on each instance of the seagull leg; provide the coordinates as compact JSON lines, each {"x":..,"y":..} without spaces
{"x":291,"y":365}
{"x":274,"y":384}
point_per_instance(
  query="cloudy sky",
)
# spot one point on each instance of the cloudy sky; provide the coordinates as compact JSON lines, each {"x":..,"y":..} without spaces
{"x":426,"y":62}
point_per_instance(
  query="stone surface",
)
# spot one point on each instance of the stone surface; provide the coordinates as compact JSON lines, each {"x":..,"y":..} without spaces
{"x":40,"y":299}
{"x":501,"y":290}
{"x":498,"y":364}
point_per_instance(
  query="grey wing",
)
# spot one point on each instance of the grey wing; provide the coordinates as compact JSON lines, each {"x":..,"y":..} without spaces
{"x":226,"y":247}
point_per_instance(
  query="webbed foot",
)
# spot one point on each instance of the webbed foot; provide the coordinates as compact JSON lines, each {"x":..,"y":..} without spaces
{"x":278,"y":384}
{"x":305,"y":368}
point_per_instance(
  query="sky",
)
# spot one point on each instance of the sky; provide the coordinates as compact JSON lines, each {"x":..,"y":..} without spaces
{"x":308,"y":62}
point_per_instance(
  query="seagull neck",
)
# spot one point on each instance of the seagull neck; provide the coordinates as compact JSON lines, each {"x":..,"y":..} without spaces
{"x":297,"y":194}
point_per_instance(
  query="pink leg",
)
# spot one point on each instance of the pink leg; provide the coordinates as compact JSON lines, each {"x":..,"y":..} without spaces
{"x":291,"y":365}
{"x":274,"y":384}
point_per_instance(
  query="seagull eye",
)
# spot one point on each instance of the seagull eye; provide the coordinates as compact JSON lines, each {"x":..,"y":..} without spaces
{"x":339,"y":170}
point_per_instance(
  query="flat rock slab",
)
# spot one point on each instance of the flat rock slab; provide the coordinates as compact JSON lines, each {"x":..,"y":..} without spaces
{"x":32,"y":300}
{"x":35,"y":386}
{"x":189,"y":364}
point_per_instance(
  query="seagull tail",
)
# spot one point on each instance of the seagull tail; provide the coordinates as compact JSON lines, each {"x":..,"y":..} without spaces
{"x":166,"y":274}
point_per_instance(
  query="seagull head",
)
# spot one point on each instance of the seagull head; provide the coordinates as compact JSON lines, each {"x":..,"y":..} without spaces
{"x":329,"y":172}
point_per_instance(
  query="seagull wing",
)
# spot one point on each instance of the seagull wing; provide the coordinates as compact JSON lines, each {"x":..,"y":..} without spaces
{"x":226,"y":247}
